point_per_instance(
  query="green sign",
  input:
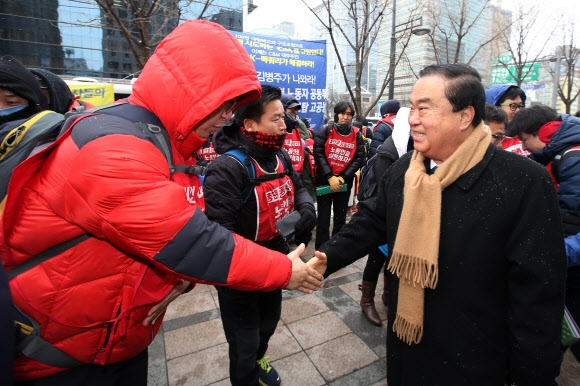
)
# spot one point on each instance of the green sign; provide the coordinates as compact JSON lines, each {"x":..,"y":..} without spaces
{"x":502,"y":74}
{"x":503,"y":59}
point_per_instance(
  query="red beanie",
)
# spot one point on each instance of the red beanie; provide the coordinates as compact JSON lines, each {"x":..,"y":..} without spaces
{"x":545,"y":133}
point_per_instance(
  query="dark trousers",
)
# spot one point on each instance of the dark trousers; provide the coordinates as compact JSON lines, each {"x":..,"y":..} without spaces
{"x":249,"y":319}
{"x":375,"y":263}
{"x":129,"y":372}
{"x":573,"y":304}
{"x":338,"y":202}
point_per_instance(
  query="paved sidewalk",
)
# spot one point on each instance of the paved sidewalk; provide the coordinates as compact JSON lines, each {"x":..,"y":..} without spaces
{"x":322,"y":339}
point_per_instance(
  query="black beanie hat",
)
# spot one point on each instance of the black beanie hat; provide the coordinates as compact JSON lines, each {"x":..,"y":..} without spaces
{"x":16,"y":78}
{"x":390,"y":107}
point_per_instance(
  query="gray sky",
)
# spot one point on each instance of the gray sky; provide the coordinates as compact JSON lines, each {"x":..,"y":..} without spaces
{"x":272,"y":12}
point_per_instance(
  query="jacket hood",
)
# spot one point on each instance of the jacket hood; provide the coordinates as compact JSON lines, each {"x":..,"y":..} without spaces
{"x":60,"y":94}
{"x":195,"y":69}
{"x":402,"y":131}
{"x":567,"y":135}
{"x":227,"y":138}
{"x":390,"y":107}
{"x":495,"y":92}
{"x":17,"y":79}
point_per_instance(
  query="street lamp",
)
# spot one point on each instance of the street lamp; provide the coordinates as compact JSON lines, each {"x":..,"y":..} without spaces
{"x":410,"y":24}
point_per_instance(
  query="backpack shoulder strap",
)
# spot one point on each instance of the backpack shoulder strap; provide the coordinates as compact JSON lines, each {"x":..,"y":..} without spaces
{"x":285,"y":161}
{"x":572,"y":151}
{"x":245,"y":161}
{"x":153,"y":128}
{"x":16,"y":135}
{"x":44,"y":256}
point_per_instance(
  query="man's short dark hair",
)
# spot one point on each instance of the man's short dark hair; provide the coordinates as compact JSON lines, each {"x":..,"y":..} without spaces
{"x":531,"y":119}
{"x":464,"y":88}
{"x":511,"y":93}
{"x":494,"y":114}
{"x":255,"y":109}
{"x":341,"y":107}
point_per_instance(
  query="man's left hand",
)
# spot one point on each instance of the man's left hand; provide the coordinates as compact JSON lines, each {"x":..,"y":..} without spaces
{"x":304,"y":278}
{"x":161,"y":306}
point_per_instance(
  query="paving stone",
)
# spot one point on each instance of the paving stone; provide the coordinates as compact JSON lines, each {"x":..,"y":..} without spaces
{"x":200,"y":368}
{"x":193,"y":338}
{"x":302,"y":307}
{"x":341,"y":356}
{"x":318,"y":329}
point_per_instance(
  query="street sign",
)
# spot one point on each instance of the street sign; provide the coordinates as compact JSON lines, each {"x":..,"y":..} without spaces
{"x":502,"y":74}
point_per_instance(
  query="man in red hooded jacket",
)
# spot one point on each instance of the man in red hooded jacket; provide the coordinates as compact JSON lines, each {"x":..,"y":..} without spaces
{"x":148,"y":237}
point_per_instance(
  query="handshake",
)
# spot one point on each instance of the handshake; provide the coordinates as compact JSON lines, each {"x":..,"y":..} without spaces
{"x":306,"y":277}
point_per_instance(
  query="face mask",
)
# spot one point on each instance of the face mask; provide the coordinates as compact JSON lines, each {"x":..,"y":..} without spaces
{"x":11,"y":110}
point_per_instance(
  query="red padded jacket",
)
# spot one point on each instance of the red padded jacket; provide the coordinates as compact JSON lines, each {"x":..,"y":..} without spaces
{"x":147,"y":229}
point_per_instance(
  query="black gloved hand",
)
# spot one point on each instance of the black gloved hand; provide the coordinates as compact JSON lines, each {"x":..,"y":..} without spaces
{"x":304,"y":226}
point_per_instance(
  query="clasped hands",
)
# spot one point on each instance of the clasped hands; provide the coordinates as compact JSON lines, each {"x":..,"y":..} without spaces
{"x":306,"y":277}
{"x":336,"y":183}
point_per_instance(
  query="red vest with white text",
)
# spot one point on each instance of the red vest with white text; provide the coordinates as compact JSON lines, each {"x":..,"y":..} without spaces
{"x":207,"y":152}
{"x":310,"y":147}
{"x":293,"y":145}
{"x":274,"y":200}
{"x":340,"y":149}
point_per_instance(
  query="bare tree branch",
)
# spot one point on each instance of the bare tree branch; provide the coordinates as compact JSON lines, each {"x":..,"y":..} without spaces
{"x":359,"y":28}
{"x":525,"y":46}
{"x":144,"y":23}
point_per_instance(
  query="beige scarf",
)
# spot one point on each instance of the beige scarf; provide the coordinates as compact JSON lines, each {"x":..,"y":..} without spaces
{"x":416,"y":250}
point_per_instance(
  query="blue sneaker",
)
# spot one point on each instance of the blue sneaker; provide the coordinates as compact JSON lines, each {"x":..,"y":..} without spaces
{"x":267,"y":376}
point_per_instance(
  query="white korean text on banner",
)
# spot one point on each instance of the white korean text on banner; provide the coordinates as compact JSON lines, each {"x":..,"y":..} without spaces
{"x":298,"y":67}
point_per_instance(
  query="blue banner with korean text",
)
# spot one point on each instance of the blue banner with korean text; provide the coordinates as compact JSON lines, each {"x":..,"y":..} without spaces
{"x":298,"y":67}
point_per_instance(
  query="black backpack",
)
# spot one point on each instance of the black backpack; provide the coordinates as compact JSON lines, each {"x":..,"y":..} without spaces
{"x":368,"y":182}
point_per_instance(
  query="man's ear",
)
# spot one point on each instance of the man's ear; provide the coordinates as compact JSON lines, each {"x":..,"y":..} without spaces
{"x":466,"y":117}
{"x":249,"y":125}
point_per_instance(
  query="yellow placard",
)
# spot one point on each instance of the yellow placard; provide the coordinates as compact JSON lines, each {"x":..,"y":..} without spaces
{"x":97,"y":94}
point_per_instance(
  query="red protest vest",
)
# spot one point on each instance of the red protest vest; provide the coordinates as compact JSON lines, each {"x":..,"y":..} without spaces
{"x":340,"y":149}
{"x":293,"y":145}
{"x":310,"y":147}
{"x":207,"y":152}
{"x":274,"y":200}
{"x":514,"y":145}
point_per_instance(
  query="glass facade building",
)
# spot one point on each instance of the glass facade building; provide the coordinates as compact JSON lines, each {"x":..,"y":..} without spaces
{"x":77,"y":38}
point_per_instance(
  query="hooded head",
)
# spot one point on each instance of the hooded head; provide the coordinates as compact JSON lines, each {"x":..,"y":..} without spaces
{"x":15,"y":78}
{"x":60,"y":96}
{"x":289,"y":102}
{"x":390,"y":107}
{"x":194,"y":70}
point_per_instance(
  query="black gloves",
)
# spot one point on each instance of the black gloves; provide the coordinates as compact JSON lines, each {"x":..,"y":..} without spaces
{"x":305,"y":225}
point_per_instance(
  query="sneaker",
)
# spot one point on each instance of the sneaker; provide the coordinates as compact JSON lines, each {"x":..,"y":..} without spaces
{"x":267,"y":376}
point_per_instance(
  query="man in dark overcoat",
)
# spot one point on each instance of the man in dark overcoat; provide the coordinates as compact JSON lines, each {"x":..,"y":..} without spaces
{"x":476,"y":263}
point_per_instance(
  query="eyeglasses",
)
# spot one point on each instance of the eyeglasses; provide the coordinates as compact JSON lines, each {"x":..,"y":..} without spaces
{"x":513,"y":106}
{"x":230,"y":105}
{"x":499,"y":137}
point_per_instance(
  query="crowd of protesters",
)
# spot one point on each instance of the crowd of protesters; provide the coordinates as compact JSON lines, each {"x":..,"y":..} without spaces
{"x":475,"y":281}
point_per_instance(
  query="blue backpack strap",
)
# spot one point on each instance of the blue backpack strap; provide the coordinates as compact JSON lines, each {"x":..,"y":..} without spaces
{"x":243,"y":159}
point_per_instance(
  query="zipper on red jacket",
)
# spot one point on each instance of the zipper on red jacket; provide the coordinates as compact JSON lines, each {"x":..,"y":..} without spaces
{"x":107,"y":336}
